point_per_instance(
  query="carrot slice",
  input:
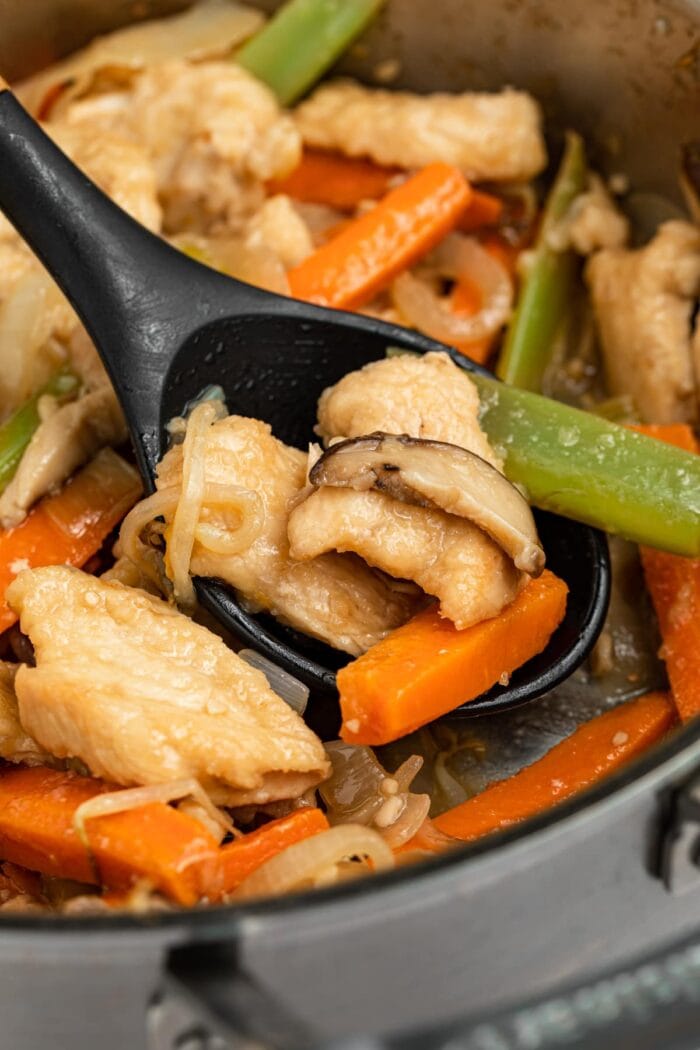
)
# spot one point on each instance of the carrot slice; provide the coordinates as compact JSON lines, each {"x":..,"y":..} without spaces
{"x":427,"y":667}
{"x":674,"y":585}
{"x":223,"y":873}
{"x":70,"y":526}
{"x":483,"y":210}
{"x":339,"y":182}
{"x":154,"y":842}
{"x":358,"y":262}
{"x":591,"y":752}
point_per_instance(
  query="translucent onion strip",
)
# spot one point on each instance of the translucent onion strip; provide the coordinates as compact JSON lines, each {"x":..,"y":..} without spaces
{"x":134,"y":798}
{"x":146,"y":558}
{"x":189,"y":507}
{"x":292,"y":691}
{"x":457,"y":258}
{"x":301,"y":865}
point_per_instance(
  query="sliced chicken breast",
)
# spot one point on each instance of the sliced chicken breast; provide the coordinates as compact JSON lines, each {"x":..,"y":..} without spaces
{"x":446,"y":556}
{"x":643,"y":302}
{"x":143,"y":695}
{"x":424,"y":397}
{"x":337,"y":599}
{"x":488,"y":136}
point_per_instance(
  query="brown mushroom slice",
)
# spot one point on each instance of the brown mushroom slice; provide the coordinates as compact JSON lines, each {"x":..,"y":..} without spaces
{"x":435,"y":474}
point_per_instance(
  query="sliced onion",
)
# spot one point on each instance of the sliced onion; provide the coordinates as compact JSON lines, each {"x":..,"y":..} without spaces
{"x":301,"y":865}
{"x":457,"y":257}
{"x":205,"y":30}
{"x":133,"y":798}
{"x":411,"y":818}
{"x":147,"y":560}
{"x":289,"y":688}
{"x":189,"y":506}
{"x":360,"y":791}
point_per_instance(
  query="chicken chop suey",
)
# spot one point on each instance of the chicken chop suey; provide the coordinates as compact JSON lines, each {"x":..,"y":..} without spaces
{"x":144,"y":761}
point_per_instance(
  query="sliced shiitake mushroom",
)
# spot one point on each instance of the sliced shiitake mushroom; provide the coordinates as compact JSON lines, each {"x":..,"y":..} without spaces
{"x":435,"y":474}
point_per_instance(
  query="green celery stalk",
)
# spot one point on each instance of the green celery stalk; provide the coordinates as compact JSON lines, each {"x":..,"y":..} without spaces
{"x":593,"y":470}
{"x":17,"y":431}
{"x":546,"y":289}
{"x":302,"y":40}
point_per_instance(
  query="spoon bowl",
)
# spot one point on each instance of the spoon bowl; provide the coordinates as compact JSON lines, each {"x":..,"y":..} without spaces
{"x":167,"y":327}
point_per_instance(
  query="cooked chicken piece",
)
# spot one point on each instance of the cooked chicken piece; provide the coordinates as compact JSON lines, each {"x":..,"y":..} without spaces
{"x":279,"y":227}
{"x":446,"y":556}
{"x":120,"y":167}
{"x":643,"y":302}
{"x":15,"y":744}
{"x":424,"y":397}
{"x":142,"y":695}
{"x":337,"y":599}
{"x":595,"y":222}
{"x":66,"y":439}
{"x":489,"y":136}
{"x":214,"y":133}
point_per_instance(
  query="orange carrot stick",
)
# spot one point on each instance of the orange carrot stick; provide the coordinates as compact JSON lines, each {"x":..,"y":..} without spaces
{"x":154,"y":842}
{"x":591,"y":752}
{"x":466,"y":298}
{"x":332,"y":179}
{"x":674,"y":585}
{"x":358,"y":262}
{"x":427,"y":667}
{"x":223,"y":873}
{"x":465,"y":301}
{"x":70,"y":526}
{"x":483,"y":210}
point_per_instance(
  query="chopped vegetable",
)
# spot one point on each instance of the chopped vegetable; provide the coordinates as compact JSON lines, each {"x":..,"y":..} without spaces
{"x":302,"y":41}
{"x":427,"y":667}
{"x":465,"y":301}
{"x":674,"y":585}
{"x":592,"y":470}
{"x":467,"y":297}
{"x":17,"y":431}
{"x":154,"y":842}
{"x":223,"y":873}
{"x":591,"y":752}
{"x":334,"y":180}
{"x":70,"y":526}
{"x":484,"y":209}
{"x":364,"y":257}
{"x":545,"y":293}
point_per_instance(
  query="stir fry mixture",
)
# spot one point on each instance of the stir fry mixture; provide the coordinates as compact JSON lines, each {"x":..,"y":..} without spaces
{"x":144,"y":761}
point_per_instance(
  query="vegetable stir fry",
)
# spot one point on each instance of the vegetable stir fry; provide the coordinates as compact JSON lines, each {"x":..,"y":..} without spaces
{"x":147,"y":763}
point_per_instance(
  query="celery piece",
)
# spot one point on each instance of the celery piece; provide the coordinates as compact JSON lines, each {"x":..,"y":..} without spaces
{"x":592,"y":470}
{"x":17,"y":431}
{"x":302,"y":40}
{"x":549,"y":282}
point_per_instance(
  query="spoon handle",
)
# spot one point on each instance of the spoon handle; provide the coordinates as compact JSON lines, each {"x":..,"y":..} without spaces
{"x":137,"y":296}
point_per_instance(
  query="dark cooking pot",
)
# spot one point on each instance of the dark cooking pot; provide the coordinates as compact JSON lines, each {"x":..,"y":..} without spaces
{"x":566,"y":930}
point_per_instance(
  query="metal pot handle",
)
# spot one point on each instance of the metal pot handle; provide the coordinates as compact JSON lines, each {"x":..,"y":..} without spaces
{"x":652,"y":1004}
{"x":209,"y":1003}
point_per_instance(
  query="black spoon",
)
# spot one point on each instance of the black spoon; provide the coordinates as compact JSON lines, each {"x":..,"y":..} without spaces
{"x":166,"y":327}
